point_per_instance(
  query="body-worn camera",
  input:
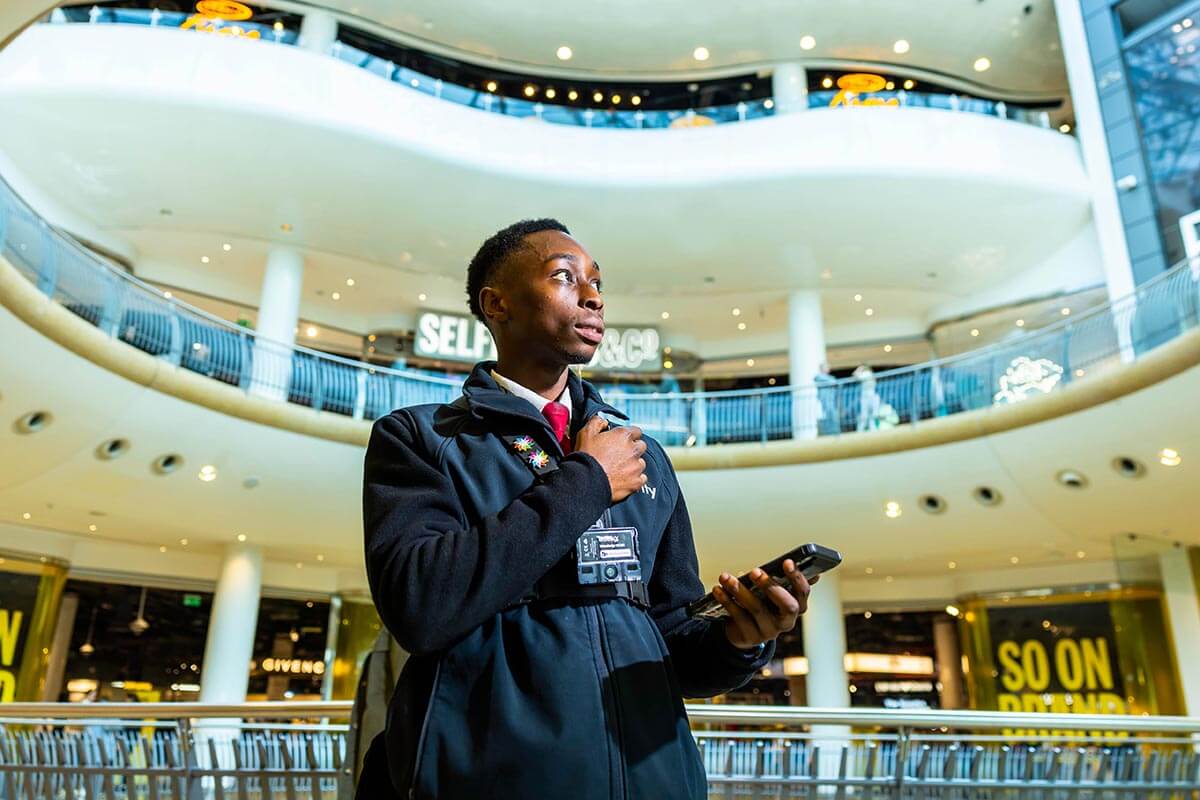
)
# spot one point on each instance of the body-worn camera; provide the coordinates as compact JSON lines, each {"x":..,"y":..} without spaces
{"x":607,"y":555}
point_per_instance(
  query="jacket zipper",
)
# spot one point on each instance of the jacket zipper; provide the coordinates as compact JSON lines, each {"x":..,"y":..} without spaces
{"x":611,"y":699}
{"x":412,"y":784}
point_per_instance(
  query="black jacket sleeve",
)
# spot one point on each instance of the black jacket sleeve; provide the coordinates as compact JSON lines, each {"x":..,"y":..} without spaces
{"x":433,"y":576}
{"x":705,"y":661}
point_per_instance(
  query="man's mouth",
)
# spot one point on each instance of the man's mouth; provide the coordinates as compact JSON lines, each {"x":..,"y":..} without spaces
{"x":591,"y":331}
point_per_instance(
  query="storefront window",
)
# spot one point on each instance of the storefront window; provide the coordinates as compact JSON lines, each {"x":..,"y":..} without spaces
{"x":289,"y":650}
{"x":1164,"y":73}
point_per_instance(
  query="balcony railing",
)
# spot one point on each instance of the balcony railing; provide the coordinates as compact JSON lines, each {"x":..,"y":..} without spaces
{"x":600,"y":115}
{"x":187,"y":751}
{"x":1029,"y":364}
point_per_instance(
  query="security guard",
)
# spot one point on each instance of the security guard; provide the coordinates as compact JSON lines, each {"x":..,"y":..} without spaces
{"x":536,"y":561}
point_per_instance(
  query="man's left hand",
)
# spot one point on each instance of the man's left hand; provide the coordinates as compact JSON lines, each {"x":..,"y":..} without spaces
{"x":751,"y":621}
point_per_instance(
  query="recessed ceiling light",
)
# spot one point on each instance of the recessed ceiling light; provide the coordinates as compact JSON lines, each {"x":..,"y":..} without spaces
{"x":667,"y":350}
{"x":550,"y":93}
{"x":870,"y":571}
{"x":598,"y":97}
{"x":92,"y":528}
{"x":1014,"y":560}
{"x":616,"y":99}
{"x":208,"y":473}
{"x":1080,"y":554}
{"x":952,"y":565}
{"x":900,"y":47}
{"x":1079,"y":373}
{"x":320,"y":556}
{"x":168,"y":295}
{"x":870,"y":312}
{"x":162,"y":548}
{"x":203,"y":259}
{"x":637,"y":101}
{"x":1020,"y":323}
{"x":1065,"y":312}
{"x":490,"y":86}
{"x":183,"y":542}
{"x":1169,"y":457}
{"x":741,"y":326}
{"x":564,"y":53}
{"x":668,"y":364}
{"x":530,"y":90}
{"x":767,"y":104}
{"x":666,"y":315}
{"x":858,"y":298}
{"x":414,"y":83}
{"x":349,"y":281}
{"x":952,"y":610}
{"x":299,"y":565}
{"x":909,"y":84}
{"x":892,"y":509}
{"x":889,"y":86}
{"x":974,"y":331}
{"x":700,"y":54}
{"x":572,"y":95}
{"x":311,"y":331}
{"x":227,"y":247}
{"x":1065,"y":128}
{"x":421,"y":297}
{"x":749,"y":362}
{"x":336,"y":295}
{"x":807,"y":42}
{"x":983,"y":64}
{"x":827,"y":82}
{"x":737,"y":312}
{"x":887,"y":348}
{"x":241,"y":537}
{"x":27,"y":515}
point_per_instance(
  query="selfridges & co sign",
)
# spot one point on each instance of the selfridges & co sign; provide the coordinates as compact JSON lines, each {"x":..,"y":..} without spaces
{"x":453,"y":337}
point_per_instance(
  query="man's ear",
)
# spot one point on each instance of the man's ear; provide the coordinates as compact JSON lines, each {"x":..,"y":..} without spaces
{"x":494,"y":305}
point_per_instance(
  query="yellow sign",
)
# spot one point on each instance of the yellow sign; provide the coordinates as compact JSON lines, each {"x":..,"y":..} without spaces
{"x":295,"y":666}
{"x":10,"y":633}
{"x":211,"y":14}
{"x":851,"y":88}
{"x":1066,"y":676}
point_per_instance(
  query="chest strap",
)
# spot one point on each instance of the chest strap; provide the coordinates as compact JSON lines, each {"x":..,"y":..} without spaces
{"x":555,"y":586}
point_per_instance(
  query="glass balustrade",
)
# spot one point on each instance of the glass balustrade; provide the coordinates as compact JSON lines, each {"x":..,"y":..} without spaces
{"x":1010,"y":371}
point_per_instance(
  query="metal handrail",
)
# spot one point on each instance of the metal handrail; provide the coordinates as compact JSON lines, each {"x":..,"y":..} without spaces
{"x":698,"y":713}
{"x":131,"y":310}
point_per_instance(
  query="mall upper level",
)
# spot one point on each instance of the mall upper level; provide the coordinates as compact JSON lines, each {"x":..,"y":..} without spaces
{"x":907,"y":198}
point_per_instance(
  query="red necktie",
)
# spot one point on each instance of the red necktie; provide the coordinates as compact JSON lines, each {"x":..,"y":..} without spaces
{"x":556,"y":414}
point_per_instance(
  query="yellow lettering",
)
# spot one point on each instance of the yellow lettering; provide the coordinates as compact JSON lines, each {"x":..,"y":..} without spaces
{"x":1037,"y":665}
{"x":8,"y":686}
{"x":1068,"y":663}
{"x":10,"y":631}
{"x":1096,"y":664}
{"x":1033,"y":703}
{"x":1013,"y":678}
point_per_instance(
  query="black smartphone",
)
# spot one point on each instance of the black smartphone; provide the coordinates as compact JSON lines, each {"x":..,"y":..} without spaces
{"x":811,"y":560}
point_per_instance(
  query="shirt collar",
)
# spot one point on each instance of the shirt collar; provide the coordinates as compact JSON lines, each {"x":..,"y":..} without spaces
{"x":539,"y":402}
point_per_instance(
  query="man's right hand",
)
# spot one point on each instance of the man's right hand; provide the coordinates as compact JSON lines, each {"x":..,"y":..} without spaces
{"x":619,"y":451}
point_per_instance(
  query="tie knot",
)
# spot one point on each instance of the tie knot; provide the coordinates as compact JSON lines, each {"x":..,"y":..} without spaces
{"x":556,"y":414}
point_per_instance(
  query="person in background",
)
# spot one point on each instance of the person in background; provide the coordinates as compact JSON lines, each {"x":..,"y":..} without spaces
{"x":829,"y":423}
{"x":868,"y":399}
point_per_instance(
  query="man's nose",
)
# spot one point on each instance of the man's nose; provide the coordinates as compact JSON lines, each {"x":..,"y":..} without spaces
{"x":591,"y":298}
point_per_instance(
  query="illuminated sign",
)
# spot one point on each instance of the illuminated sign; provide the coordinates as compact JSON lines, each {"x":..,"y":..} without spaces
{"x":1025,"y":376}
{"x":852,"y":87}
{"x":452,"y":337}
{"x":293,"y":666}
{"x":1057,"y":659}
{"x":211,"y":16}
{"x":872,"y":663}
{"x":18,"y":596}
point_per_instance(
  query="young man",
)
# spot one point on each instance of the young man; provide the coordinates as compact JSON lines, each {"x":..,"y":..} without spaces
{"x":529,"y":679}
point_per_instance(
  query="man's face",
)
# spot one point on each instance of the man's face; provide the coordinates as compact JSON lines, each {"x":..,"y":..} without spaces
{"x":546,"y":300}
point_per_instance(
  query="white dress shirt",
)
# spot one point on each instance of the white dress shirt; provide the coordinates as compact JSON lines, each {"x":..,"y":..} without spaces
{"x":538,"y":402}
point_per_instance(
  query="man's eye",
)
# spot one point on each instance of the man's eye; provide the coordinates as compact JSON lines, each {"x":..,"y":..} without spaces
{"x":562,"y":275}
{"x":599,"y":285}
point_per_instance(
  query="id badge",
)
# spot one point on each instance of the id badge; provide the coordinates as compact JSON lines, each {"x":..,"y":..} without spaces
{"x":604,"y":554}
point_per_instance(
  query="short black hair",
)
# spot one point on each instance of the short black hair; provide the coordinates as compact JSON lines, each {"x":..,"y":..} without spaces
{"x":493,"y":252}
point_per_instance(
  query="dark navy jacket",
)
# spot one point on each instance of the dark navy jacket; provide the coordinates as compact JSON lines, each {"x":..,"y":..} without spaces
{"x":549,"y":699}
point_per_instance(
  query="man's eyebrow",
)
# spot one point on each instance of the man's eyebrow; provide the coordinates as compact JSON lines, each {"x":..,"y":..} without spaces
{"x":564,"y":256}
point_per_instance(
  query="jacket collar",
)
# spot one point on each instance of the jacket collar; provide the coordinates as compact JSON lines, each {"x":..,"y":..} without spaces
{"x":484,"y":397}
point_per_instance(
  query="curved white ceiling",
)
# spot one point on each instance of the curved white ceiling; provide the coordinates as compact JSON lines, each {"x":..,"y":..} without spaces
{"x":632,"y":38}
{"x":237,"y":138}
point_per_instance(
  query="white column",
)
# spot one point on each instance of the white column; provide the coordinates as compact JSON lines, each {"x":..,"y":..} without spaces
{"x":949,"y":661}
{"x":318,"y":31}
{"x":60,"y":647}
{"x":806,"y":353}
{"x":230,"y":643}
{"x":278,"y":313}
{"x":1089,"y":130}
{"x":789,"y":87}
{"x":824,"y":631}
{"x":1182,"y":597}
